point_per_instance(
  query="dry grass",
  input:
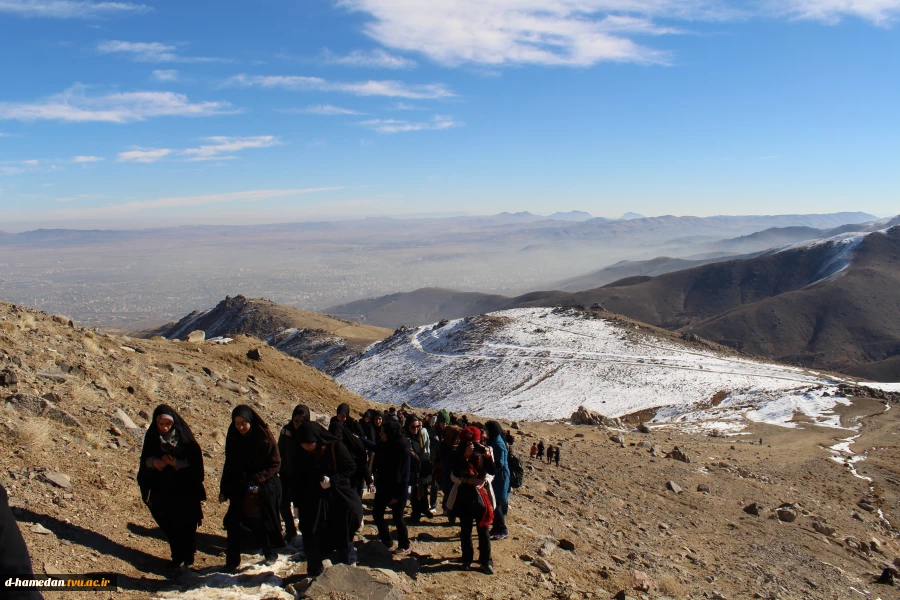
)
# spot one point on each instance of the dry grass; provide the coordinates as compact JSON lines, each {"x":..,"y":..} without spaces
{"x":34,"y":434}
{"x":91,"y":347}
{"x":83,"y":393}
{"x":29,"y":322}
{"x":61,"y":319}
{"x":94,"y":440}
{"x":7,"y":326}
{"x":669,"y":584}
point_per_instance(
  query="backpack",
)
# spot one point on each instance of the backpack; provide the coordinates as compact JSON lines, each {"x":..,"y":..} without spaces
{"x":516,"y":472}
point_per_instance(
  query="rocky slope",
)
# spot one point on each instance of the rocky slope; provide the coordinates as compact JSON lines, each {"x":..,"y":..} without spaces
{"x":318,"y":340}
{"x":615,"y":516}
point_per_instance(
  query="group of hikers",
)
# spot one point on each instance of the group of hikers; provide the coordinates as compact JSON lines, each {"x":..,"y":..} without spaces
{"x":323,"y":473}
{"x":537,"y":451}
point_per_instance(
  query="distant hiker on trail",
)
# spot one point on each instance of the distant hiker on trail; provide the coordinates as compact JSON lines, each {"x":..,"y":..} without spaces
{"x":14,"y":558}
{"x":421,"y":471}
{"x":540,"y":453}
{"x":287,"y":449}
{"x":501,"y":481}
{"x":534,"y":451}
{"x":392,"y":472}
{"x":447,"y":448}
{"x":250,"y":485}
{"x":471,"y":498}
{"x":556,"y":456}
{"x":550,"y":451}
{"x":330,"y":509}
{"x":170,"y":477}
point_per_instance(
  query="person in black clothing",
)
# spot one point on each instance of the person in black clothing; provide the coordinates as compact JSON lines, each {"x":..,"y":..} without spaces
{"x":540,"y":454}
{"x":392,"y":467}
{"x":353,"y":438}
{"x":170,"y":477}
{"x":330,"y":509}
{"x":556,"y":456}
{"x":471,"y":499}
{"x":549,"y":454}
{"x":14,"y":558}
{"x":371,"y":438}
{"x":287,"y":449}
{"x":250,"y":484}
{"x":420,"y":475}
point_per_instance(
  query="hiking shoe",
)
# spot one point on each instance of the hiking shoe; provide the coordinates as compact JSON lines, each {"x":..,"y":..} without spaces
{"x":467,"y":566}
{"x":487,"y":569}
{"x":499,"y":536}
{"x":271,"y":559}
{"x":402,"y":551}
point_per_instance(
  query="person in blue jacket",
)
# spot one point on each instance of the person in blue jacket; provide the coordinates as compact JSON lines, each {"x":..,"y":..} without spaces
{"x":501,"y":482}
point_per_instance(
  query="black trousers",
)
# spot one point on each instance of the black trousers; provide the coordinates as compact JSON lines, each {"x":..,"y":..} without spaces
{"x":433,"y":493}
{"x":290,"y":530}
{"x":418,"y":502}
{"x":180,"y":528}
{"x":269,"y":540}
{"x":466,"y":522}
{"x":382,"y":501}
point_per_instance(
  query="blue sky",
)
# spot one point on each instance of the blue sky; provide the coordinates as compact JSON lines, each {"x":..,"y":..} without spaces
{"x":162,"y":112}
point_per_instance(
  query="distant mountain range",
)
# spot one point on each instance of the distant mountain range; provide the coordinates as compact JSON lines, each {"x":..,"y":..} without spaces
{"x":829,"y":303}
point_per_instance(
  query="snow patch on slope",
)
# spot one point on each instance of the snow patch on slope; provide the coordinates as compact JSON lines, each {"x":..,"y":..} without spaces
{"x":541,"y":364}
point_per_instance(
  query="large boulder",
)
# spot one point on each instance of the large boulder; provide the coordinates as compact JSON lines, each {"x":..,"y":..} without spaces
{"x":196,"y":336}
{"x":41,"y":407}
{"x":585,"y":416}
{"x":354,"y":582}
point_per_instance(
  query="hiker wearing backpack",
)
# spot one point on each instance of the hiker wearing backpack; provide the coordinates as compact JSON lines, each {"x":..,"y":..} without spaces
{"x":500,"y":483}
{"x":421,"y":470}
{"x":351,"y":433}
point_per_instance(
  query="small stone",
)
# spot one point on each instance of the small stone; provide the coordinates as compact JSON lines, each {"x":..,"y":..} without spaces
{"x":824,"y":529}
{"x":618,"y":439}
{"x":40,"y":529}
{"x":196,"y":336}
{"x":622,"y":595}
{"x":786,"y":515}
{"x":58,"y":479}
{"x":678,"y":453}
{"x":656,"y":450}
{"x":8,"y":377}
{"x":672,"y":486}
{"x":753,"y":509}
{"x":643,"y":428}
{"x":889,"y":576}
{"x":566,"y":545}
{"x":704,"y":488}
{"x":642,"y":582}
{"x":542,"y":565}
{"x":254,"y":354}
{"x":526,"y":557}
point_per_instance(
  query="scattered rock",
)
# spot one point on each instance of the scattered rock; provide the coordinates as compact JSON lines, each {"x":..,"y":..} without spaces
{"x":542,"y":565}
{"x":866,"y":506}
{"x":585,"y":416}
{"x":54,"y":375}
{"x":343,"y":581}
{"x":889,"y":576}
{"x":526,"y":557}
{"x":678,"y":453}
{"x":642,"y":582}
{"x":618,"y":439}
{"x":671,"y":485}
{"x":643,"y":428}
{"x":8,"y":377}
{"x":58,"y":479}
{"x":824,"y":529}
{"x":232,"y":386}
{"x":579,"y":435}
{"x":195,"y":337}
{"x":40,"y":529}
{"x":787,"y":515}
{"x":125,"y":420}
{"x":41,"y":407}
{"x":656,"y":450}
{"x":622,"y":595}
{"x":254,"y":354}
{"x":566,"y":545}
{"x":704,"y":488}
{"x":753,"y":509}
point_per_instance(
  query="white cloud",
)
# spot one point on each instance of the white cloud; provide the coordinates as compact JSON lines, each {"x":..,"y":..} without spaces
{"x":114,"y":210}
{"x":143,"y":155}
{"x":165,"y":75}
{"x":76,"y":105}
{"x":70,"y":9}
{"x":327,"y":109}
{"x":880,"y":12}
{"x":80,"y":160}
{"x":379,"y":59}
{"x":398,"y":126}
{"x":393,"y":89}
{"x":152,"y":52}
{"x":405,"y":106}
{"x":17,"y":167}
{"x":222,"y":147}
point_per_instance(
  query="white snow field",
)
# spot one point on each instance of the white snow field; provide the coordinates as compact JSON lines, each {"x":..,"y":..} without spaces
{"x":542,"y":363}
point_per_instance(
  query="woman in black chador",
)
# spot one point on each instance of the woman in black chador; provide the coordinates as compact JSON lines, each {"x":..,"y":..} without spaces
{"x":171,"y":480}
{"x":330,"y":510}
{"x":250,"y":484}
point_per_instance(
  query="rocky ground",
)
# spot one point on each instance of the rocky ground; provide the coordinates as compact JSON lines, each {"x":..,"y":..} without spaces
{"x":617,"y":515}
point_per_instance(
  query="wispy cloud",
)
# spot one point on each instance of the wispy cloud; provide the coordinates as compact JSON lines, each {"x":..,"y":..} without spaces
{"x":17,"y":167}
{"x":399,"y":126}
{"x":325,"y":109}
{"x":379,"y":59}
{"x":223,"y":148}
{"x":165,"y":75}
{"x":70,"y":9}
{"x":153,"y":52}
{"x":143,"y":155}
{"x":82,"y":160}
{"x":76,"y":105}
{"x":405,"y":106}
{"x":176,"y":202}
{"x":393,"y":89}
{"x":879,"y":12}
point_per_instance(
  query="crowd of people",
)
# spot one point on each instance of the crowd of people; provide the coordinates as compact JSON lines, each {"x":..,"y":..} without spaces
{"x":319,"y":475}
{"x":538,"y":449}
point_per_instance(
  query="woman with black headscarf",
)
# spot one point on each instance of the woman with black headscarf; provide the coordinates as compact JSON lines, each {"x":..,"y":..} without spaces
{"x":501,"y":481}
{"x":330,"y":508}
{"x":472,"y":499}
{"x":287,"y":449}
{"x":420,"y":469}
{"x":392,"y":466}
{"x":171,"y":480}
{"x":250,"y":484}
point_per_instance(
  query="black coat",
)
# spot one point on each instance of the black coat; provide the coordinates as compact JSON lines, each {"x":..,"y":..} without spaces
{"x":252,"y":460}
{"x":14,"y":559}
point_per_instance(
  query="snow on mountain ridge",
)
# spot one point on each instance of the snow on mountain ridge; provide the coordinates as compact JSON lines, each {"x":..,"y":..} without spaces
{"x":542,"y":363}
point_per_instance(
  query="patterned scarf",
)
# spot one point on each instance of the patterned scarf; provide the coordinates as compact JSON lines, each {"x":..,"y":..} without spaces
{"x":475,"y":470}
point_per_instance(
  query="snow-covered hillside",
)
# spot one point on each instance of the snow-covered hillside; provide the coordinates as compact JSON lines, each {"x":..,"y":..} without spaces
{"x":542,"y":363}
